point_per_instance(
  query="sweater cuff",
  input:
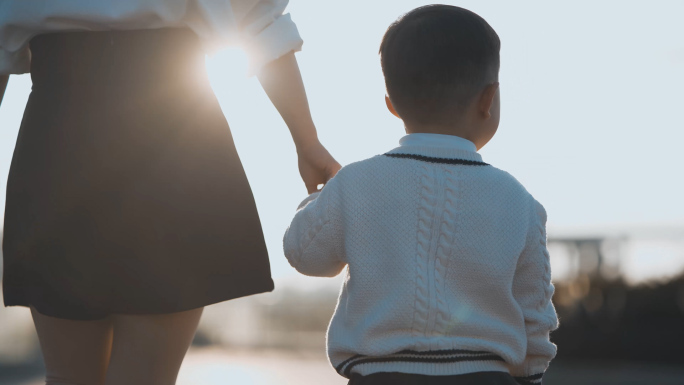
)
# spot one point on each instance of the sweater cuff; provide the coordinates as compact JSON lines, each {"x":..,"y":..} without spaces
{"x":308,"y":200}
{"x":531,"y":371}
{"x":535,"y":379}
{"x":18,"y":62}
{"x":277,"y":40}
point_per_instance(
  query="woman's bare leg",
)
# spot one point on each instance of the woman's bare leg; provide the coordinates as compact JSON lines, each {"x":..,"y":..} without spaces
{"x":149,"y":349}
{"x":75,"y":352}
{"x":124,"y":349}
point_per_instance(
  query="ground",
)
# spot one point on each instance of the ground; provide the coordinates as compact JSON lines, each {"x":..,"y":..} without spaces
{"x":215,"y":365}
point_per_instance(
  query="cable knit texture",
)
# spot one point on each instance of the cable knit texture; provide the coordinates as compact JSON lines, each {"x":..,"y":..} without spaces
{"x":448,"y":271}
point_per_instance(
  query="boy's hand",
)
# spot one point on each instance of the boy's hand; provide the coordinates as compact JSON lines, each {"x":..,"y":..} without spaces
{"x":316,"y":165}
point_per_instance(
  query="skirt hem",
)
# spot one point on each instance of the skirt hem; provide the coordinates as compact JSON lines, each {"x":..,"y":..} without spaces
{"x":264,"y":287}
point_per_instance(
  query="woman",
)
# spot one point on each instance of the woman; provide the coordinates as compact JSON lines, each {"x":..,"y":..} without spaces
{"x":128,"y":210}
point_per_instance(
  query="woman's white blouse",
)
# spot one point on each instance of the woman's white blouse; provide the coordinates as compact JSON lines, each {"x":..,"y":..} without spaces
{"x":258,"y":25}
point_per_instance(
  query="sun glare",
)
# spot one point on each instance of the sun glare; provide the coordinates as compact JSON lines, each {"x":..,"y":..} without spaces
{"x":226,"y":66}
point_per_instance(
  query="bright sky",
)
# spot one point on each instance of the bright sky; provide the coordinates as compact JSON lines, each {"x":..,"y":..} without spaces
{"x":591,"y":94}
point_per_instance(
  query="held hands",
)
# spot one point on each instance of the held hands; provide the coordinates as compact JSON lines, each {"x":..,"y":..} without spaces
{"x":316,"y":165}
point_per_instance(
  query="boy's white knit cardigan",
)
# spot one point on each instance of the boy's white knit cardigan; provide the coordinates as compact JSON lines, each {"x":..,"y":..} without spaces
{"x":448,"y":267}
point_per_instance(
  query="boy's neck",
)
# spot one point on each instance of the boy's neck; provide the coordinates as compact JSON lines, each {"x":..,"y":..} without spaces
{"x":453,"y":130}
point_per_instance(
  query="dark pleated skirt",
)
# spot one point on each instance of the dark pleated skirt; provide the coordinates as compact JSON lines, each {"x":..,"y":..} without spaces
{"x":126,"y":194}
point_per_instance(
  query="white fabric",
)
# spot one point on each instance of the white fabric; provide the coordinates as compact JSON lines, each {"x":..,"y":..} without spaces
{"x":258,"y":25}
{"x":439,"y":257}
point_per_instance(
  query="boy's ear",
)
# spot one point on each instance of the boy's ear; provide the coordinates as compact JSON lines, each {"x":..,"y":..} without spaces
{"x":487,"y":100}
{"x":390,"y":107}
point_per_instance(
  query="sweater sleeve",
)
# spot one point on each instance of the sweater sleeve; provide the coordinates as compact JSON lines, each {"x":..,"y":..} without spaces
{"x":268,"y":34}
{"x":532,"y":289}
{"x":313,"y":241}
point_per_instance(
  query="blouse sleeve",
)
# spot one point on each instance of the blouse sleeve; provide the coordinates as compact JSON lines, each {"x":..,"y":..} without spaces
{"x":267,"y":34}
{"x":18,"y":62}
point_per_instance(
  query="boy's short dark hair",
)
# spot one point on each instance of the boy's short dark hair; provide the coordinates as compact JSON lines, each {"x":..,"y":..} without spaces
{"x":436,"y":59}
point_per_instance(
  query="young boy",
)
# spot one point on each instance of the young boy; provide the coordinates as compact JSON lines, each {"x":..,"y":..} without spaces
{"x":449,"y":279}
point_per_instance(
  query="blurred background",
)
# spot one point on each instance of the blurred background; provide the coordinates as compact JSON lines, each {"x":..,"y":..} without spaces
{"x":591,"y":96}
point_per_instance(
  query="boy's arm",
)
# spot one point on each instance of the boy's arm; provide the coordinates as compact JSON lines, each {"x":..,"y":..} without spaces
{"x":4,"y":79}
{"x":313,"y":242}
{"x":532,"y":290}
{"x":283,"y":84}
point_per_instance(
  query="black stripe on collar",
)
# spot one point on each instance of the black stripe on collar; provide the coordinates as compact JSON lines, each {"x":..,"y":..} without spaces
{"x":430,"y":159}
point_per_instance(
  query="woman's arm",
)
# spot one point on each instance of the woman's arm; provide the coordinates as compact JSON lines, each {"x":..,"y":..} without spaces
{"x":283,"y":84}
{"x":4,"y":79}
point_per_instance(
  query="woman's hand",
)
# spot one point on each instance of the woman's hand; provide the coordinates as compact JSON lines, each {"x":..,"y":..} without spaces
{"x":316,"y":165}
{"x":4,"y":79}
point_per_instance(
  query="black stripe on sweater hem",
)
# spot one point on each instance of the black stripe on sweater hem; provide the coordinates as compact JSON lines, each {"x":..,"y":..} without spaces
{"x":430,"y":159}
{"x":446,"y":352}
{"x":339,"y":367}
{"x":443,"y":357}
